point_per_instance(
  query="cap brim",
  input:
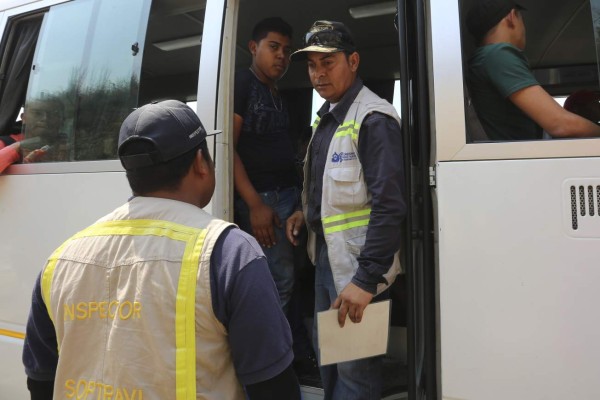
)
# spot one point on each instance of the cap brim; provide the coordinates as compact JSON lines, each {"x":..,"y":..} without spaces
{"x":213,"y":133}
{"x":301,"y":54}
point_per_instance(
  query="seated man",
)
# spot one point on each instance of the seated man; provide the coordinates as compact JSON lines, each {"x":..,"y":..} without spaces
{"x":509,"y":101}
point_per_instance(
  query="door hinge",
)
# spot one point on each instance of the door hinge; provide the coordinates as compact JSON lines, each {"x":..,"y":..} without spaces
{"x":432,"y":181}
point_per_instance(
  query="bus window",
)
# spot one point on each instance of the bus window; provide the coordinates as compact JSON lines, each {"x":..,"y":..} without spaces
{"x":83,"y":84}
{"x":397,"y":98}
{"x":172,"y":51}
{"x":559,"y":54}
{"x":90,"y":66}
{"x":317,"y":103}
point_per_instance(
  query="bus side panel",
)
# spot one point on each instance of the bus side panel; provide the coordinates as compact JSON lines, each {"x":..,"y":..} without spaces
{"x":12,"y":377}
{"x":518,"y":285}
{"x":39,"y":212}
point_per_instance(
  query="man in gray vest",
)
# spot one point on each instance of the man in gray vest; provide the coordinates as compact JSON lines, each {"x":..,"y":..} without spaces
{"x":158,"y":299}
{"x":353,"y":197}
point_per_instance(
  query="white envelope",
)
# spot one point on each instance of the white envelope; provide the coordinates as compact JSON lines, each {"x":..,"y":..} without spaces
{"x":354,"y":341}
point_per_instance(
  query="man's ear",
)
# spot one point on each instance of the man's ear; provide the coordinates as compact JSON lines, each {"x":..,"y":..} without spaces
{"x":252,"y":45}
{"x":354,"y":60}
{"x":511,"y":17}
{"x":201,"y":165}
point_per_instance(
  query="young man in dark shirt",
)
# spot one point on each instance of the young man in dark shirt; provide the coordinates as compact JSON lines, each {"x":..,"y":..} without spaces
{"x":266,"y":181}
{"x":266,"y":178}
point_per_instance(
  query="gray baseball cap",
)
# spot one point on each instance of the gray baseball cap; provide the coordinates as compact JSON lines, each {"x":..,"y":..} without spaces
{"x":171,"y":126}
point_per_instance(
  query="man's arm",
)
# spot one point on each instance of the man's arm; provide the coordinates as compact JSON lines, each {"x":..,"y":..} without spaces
{"x":546,"y":112}
{"x":40,"y":349}
{"x":293,"y":226}
{"x":9,"y":155}
{"x":283,"y":386}
{"x":40,"y":390}
{"x":381,"y":155}
{"x":246,"y":302}
{"x":262,"y":217}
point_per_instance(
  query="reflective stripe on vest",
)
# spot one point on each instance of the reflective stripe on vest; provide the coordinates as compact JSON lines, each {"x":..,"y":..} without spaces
{"x":345,"y":199}
{"x":348,"y":128}
{"x":342,"y":222}
{"x":185,"y":324}
{"x":316,"y":123}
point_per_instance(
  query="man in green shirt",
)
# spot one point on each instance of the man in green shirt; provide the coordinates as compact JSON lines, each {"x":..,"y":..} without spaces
{"x":509,"y":101}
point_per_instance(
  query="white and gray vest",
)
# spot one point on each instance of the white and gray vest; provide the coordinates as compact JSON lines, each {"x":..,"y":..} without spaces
{"x":346,"y":202}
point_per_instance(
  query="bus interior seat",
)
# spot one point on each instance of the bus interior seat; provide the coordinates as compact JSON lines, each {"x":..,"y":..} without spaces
{"x":475,"y":131}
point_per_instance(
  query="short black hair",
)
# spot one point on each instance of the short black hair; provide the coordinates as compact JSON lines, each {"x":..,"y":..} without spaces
{"x":271,"y":24}
{"x":164,"y":176}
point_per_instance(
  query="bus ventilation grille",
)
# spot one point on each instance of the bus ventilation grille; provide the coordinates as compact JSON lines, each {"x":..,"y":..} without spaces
{"x":584,"y":207}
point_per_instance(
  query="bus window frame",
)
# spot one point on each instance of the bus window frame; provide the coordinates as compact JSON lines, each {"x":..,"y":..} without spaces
{"x":47,"y":168}
{"x":206,"y":109}
{"x":34,"y":6}
{"x":447,"y":93}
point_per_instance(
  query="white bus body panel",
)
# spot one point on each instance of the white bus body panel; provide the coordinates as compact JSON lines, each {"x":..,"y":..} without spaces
{"x":42,"y":205}
{"x":39,"y":211}
{"x":518,"y":286}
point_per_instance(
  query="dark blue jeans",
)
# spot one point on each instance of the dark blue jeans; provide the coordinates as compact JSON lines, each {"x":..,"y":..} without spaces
{"x":352,"y":380}
{"x":281,"y":256}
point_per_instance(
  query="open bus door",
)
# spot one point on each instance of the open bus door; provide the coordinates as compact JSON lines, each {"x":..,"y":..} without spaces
{"x":419,"y":241}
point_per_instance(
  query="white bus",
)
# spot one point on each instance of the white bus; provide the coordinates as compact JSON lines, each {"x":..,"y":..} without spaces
{"x":499,"y":291}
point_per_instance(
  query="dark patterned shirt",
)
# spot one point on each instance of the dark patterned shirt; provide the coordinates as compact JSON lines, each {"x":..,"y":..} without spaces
{"x":265,"y":145}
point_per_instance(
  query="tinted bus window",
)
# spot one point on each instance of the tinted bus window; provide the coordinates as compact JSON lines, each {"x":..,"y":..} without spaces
{"x":557,"y":53}
{"x":92,"y":62}
{"x":85,"y":78}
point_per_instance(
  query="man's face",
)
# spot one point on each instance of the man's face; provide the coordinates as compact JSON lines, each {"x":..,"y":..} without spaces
{"x":271,"y":56}
{"x":332,"y":74}
{"x":42,"y":119}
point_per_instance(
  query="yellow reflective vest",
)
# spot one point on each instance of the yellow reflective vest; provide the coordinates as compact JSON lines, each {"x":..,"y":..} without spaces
{"x":130,"y":299}
{"x":346,"y":202}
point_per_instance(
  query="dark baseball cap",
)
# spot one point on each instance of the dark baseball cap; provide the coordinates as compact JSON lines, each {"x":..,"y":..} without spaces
{"x":485,"y":14}
{"x":170,"y":126}
{"x":325,"y":37}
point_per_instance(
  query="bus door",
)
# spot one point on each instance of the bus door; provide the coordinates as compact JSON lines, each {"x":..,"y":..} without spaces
{"x":517,"y":224}
{"x":372,"y":25}
{"x":415,"y":92}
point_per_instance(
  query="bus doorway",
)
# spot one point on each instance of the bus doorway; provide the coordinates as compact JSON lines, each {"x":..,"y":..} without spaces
{"x":377,"y":42}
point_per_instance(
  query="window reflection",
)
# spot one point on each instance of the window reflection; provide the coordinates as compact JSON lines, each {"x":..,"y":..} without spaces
{"x":44,"y":139}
